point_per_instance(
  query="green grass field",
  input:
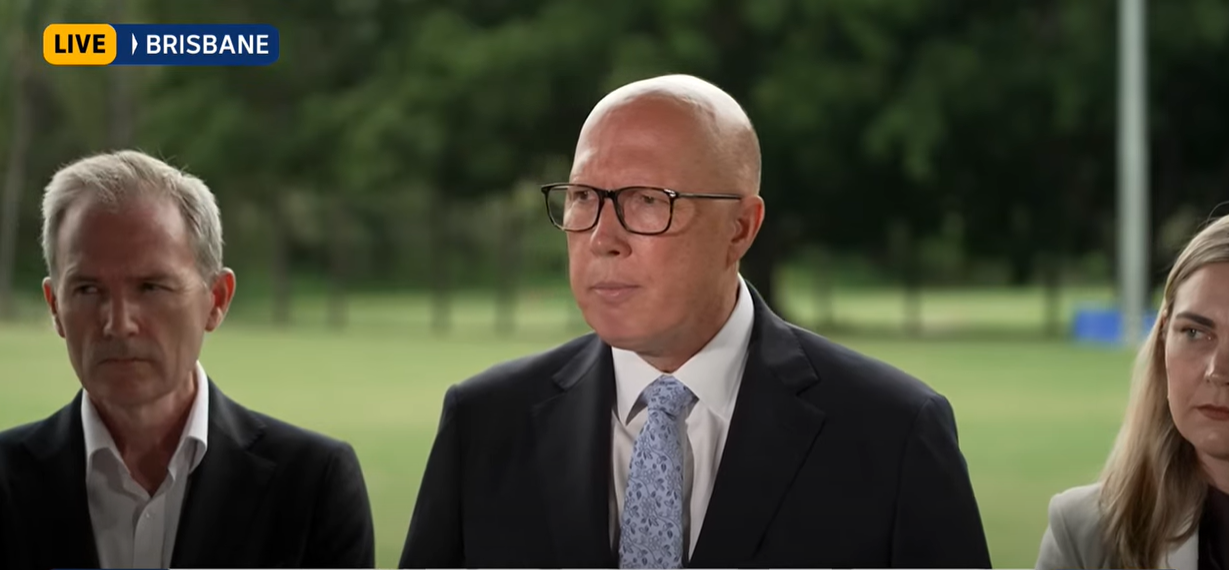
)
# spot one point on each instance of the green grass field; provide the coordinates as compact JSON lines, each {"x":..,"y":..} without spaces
{"x":1035,"y":417}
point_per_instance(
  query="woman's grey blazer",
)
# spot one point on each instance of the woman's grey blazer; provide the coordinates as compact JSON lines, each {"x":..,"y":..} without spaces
{"x":1073,"y":538}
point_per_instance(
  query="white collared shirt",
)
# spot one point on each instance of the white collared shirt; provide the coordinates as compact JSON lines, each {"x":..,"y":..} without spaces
{"x":131,"y":528}
{"x":713,"y":375}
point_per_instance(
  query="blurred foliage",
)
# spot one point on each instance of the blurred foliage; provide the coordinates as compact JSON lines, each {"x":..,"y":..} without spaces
{"x":385,"y":144}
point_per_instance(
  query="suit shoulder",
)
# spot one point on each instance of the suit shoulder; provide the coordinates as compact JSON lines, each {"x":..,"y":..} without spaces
{"x":13,"y":439}
{"x":45,"y":433}
{"x":17,"y":434}
{"x":1078,"y":512}
{"x":870,"y":378}
{"x":1073,"y":536}
{"x":520,"y":374}
{"x":289,"y":437}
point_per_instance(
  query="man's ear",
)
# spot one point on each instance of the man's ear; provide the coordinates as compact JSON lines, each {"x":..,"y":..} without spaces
{"x":53,"y":305}
{"x":746,"y":226}
{"x":221,"y":292}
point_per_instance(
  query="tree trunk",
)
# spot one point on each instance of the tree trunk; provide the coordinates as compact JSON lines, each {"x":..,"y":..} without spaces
{"x":339,"y":265}
{"x":119,"y":82}
{"x":825,"y":309}
{"x":441,"y":302}
{"x":1021,"y":263}
{"x":1052,"y":275}
{"x":907,"y":263}
{"x":737,"y":47}
{"x":913,"y":305}
{"x":280,"y":261}
{"x":509,"y":262}
{"x":759,"y":267}
{"x":1022,"y":247}
{"x":1166,"y":197}
{"x":15,"y":177}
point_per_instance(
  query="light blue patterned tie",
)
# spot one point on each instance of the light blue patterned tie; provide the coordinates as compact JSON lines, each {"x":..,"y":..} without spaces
{"x":652,"y":528}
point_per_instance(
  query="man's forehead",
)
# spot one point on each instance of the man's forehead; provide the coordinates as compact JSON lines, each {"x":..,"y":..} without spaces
{"x":632,"y":157}
{"x":133,"y":213}
{"x":104,"y":233}
{"x":152,"y":263}
{"x":137,"y":199}
{"x":669,"y":131}
{"x":645,"y":131}
{"x":648,"y":114}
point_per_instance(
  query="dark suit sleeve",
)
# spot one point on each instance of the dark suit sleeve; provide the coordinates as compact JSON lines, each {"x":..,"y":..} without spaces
{"x":8,"y":553}
{"x":938,"y":524}
{"x":434,"y":539}
{"x":342,"y":534}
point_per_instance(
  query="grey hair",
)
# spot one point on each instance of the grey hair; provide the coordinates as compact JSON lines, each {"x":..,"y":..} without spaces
{"x":115,"y":177}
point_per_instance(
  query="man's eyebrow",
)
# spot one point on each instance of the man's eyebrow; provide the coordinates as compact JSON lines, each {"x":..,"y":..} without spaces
{"x":74,"y":277}
{"x":1197,"y":318}
{"x":156,"y":276}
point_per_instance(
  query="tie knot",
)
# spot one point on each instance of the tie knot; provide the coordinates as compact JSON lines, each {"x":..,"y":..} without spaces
{"x":668,"y":395}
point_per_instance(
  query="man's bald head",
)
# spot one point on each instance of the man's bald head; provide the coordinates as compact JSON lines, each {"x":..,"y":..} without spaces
{"x":663,"y":295}
{"x":694,"y":112}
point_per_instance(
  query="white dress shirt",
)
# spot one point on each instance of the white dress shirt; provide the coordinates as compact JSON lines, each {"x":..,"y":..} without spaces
{"x":713,"y":375}
{"x":131,"y":528}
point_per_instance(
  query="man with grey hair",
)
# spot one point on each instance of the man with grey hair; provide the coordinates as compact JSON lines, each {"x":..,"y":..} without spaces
{"x":151,"y":465}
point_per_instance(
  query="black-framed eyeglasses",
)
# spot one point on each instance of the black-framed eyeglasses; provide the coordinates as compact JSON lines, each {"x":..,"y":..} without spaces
{"x":644,"y":210}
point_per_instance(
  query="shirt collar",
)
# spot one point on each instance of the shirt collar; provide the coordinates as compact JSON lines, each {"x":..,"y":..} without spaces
{"x":713,"y":374}
{"x":194,"y":439}
{"x":197,"y":428}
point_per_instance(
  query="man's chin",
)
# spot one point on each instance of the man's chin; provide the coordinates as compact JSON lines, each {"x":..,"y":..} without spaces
{"x":124,"y":390}
{"x":623,"y":335}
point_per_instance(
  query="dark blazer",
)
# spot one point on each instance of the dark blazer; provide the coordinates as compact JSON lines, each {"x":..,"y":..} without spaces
{"x":267,"y":494}
{"x":833,"y":460}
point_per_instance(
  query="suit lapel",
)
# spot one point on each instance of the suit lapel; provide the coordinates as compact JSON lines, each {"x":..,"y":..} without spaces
{"x":56,"y":508}
{"x":225,"y":490}
{"x":573,"y":437}
{"x":771,"y":433}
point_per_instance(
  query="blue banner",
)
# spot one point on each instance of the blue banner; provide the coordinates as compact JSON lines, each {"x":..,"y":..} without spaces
{"x":196,"y":44}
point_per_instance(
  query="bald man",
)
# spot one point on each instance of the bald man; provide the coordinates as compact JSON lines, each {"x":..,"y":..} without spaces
{"x":693,"y":427}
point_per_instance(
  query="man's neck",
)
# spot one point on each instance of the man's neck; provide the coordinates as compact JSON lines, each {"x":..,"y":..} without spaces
{"x":698,"y":336}
{"x":147,"y":436}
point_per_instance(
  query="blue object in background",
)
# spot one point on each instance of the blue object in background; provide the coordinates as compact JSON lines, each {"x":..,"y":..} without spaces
{"x":1104,"y":325}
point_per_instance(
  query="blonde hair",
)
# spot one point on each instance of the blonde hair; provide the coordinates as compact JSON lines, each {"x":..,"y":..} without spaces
{"x":115,"y":177}
{"x":1152,"y":488}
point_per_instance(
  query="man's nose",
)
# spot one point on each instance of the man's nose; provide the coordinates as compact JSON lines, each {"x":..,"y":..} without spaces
{"x":609,"y":237}
{"x":120,"y":317}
